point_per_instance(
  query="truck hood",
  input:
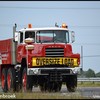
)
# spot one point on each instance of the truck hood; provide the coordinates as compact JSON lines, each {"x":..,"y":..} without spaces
{"x":52,"y":49}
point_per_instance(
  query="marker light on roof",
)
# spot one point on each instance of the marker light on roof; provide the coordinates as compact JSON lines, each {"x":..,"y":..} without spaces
{"x":29,"y":25}
{"x":64,"y":25}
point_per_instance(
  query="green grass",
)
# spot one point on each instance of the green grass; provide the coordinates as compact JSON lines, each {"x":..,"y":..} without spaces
{"x":58,"y":95}
{"x":88,"y":84}
{"x":49,"y":96}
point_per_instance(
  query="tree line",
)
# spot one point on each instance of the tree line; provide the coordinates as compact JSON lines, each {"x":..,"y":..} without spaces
{"x":89,"y":73}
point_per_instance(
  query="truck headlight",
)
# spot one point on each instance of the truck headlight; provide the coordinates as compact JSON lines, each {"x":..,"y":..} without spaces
{"x":29,"y":40}
{"x":76,"y":70}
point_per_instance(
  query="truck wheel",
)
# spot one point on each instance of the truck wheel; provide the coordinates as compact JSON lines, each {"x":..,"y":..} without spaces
{"x":11,"y":82}
{"x":26,"y":82}
{"x":4,"y":80}
{"x":54,"y":86}
{"x":43,"y":86}
{"x":72,"y":83}
{"x":57,"y":86}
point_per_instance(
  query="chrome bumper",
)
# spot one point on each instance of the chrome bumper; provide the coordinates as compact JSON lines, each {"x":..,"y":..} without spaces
{"x":46,"y":71}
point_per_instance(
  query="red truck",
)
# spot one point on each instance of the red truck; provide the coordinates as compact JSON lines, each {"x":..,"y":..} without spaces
{"x":39,"y":57}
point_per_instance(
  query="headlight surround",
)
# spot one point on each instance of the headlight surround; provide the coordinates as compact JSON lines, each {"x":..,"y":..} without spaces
{"x":29,"y":40}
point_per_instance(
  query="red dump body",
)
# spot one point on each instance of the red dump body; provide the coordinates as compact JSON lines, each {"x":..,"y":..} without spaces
{"x":6,"y":49}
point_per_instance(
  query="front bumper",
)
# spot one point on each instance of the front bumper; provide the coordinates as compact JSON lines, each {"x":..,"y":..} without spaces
{"x":47,"y":71}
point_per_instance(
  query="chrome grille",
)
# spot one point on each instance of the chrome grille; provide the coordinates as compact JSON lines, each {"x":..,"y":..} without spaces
{"x":54,"y":52}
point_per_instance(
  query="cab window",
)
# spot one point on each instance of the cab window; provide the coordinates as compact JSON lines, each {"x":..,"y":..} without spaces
{"x":30,"y":34}
{"x":21,"y":37}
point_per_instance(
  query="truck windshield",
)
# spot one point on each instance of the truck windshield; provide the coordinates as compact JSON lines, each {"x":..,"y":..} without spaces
{"x":56,"y":36}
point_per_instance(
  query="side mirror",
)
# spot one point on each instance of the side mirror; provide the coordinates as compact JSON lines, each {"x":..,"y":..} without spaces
{"x":16,"y":36}
{"x":72,"y":36}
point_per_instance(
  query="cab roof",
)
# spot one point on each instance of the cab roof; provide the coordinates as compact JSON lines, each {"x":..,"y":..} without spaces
{"x":44,"y":28}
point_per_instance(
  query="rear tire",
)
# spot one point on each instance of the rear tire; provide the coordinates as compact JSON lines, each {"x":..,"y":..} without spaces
{"x":4,"y":80}
{"x":26,"y":82}
{"x":11,"y":79}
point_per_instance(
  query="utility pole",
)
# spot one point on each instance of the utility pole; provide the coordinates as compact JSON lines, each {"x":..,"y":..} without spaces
{"x":81,"y":59}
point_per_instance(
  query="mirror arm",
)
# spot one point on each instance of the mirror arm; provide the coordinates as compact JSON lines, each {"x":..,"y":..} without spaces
{"x":14,"y":30}
{"x":72,"y":36}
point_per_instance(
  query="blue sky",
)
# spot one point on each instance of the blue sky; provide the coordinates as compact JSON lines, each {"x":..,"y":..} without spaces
{"x":83,"y":17}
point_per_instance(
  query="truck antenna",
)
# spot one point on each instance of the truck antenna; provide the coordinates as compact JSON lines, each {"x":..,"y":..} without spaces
{"x":15,"y":25}
{"x":56,"y":25}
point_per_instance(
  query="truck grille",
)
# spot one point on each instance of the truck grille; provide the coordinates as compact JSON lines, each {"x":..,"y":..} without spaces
{"x":54,"y":52}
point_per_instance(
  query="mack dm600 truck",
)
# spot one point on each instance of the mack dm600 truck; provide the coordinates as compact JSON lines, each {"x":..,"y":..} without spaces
{"x":39,"y":57}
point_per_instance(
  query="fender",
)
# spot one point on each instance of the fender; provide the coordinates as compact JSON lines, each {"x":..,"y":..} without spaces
{"x":21,"y":52}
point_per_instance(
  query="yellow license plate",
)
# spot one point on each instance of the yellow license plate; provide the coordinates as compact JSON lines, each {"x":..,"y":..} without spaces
{"x":41,"y":61}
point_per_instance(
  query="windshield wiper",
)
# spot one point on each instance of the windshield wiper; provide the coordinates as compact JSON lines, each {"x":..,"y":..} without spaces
{"x":46,"y":41}
{"x":55,"y":40}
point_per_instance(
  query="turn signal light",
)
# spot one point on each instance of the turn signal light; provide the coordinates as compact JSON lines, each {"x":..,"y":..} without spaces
{"x":29,"y":47}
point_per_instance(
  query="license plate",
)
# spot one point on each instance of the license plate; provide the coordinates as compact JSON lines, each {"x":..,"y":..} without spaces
{"x":41,"y":61}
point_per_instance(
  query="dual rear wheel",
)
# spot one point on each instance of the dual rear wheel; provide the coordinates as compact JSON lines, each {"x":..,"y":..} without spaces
{"x":8,"y":81}
{"x":4,"y":80}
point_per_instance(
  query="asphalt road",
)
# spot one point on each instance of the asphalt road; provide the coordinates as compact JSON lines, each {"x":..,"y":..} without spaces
{"x":92,"y":92}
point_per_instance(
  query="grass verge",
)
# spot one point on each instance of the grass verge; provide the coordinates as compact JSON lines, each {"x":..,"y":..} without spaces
{"x":88,"y":84}
{"x":49,"y":96}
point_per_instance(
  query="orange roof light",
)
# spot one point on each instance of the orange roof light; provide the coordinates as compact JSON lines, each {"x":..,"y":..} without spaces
{"x":64,"y":25}
{"x":29,"y":25}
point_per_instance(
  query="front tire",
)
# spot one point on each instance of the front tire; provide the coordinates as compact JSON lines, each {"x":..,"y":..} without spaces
{"x":71,"y":83}
{"x":54,"y":86}
{"x":57,"y":86}
{"x":50,"y":86}
{"x":26,"y":82}
{"x":43,"y":87}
